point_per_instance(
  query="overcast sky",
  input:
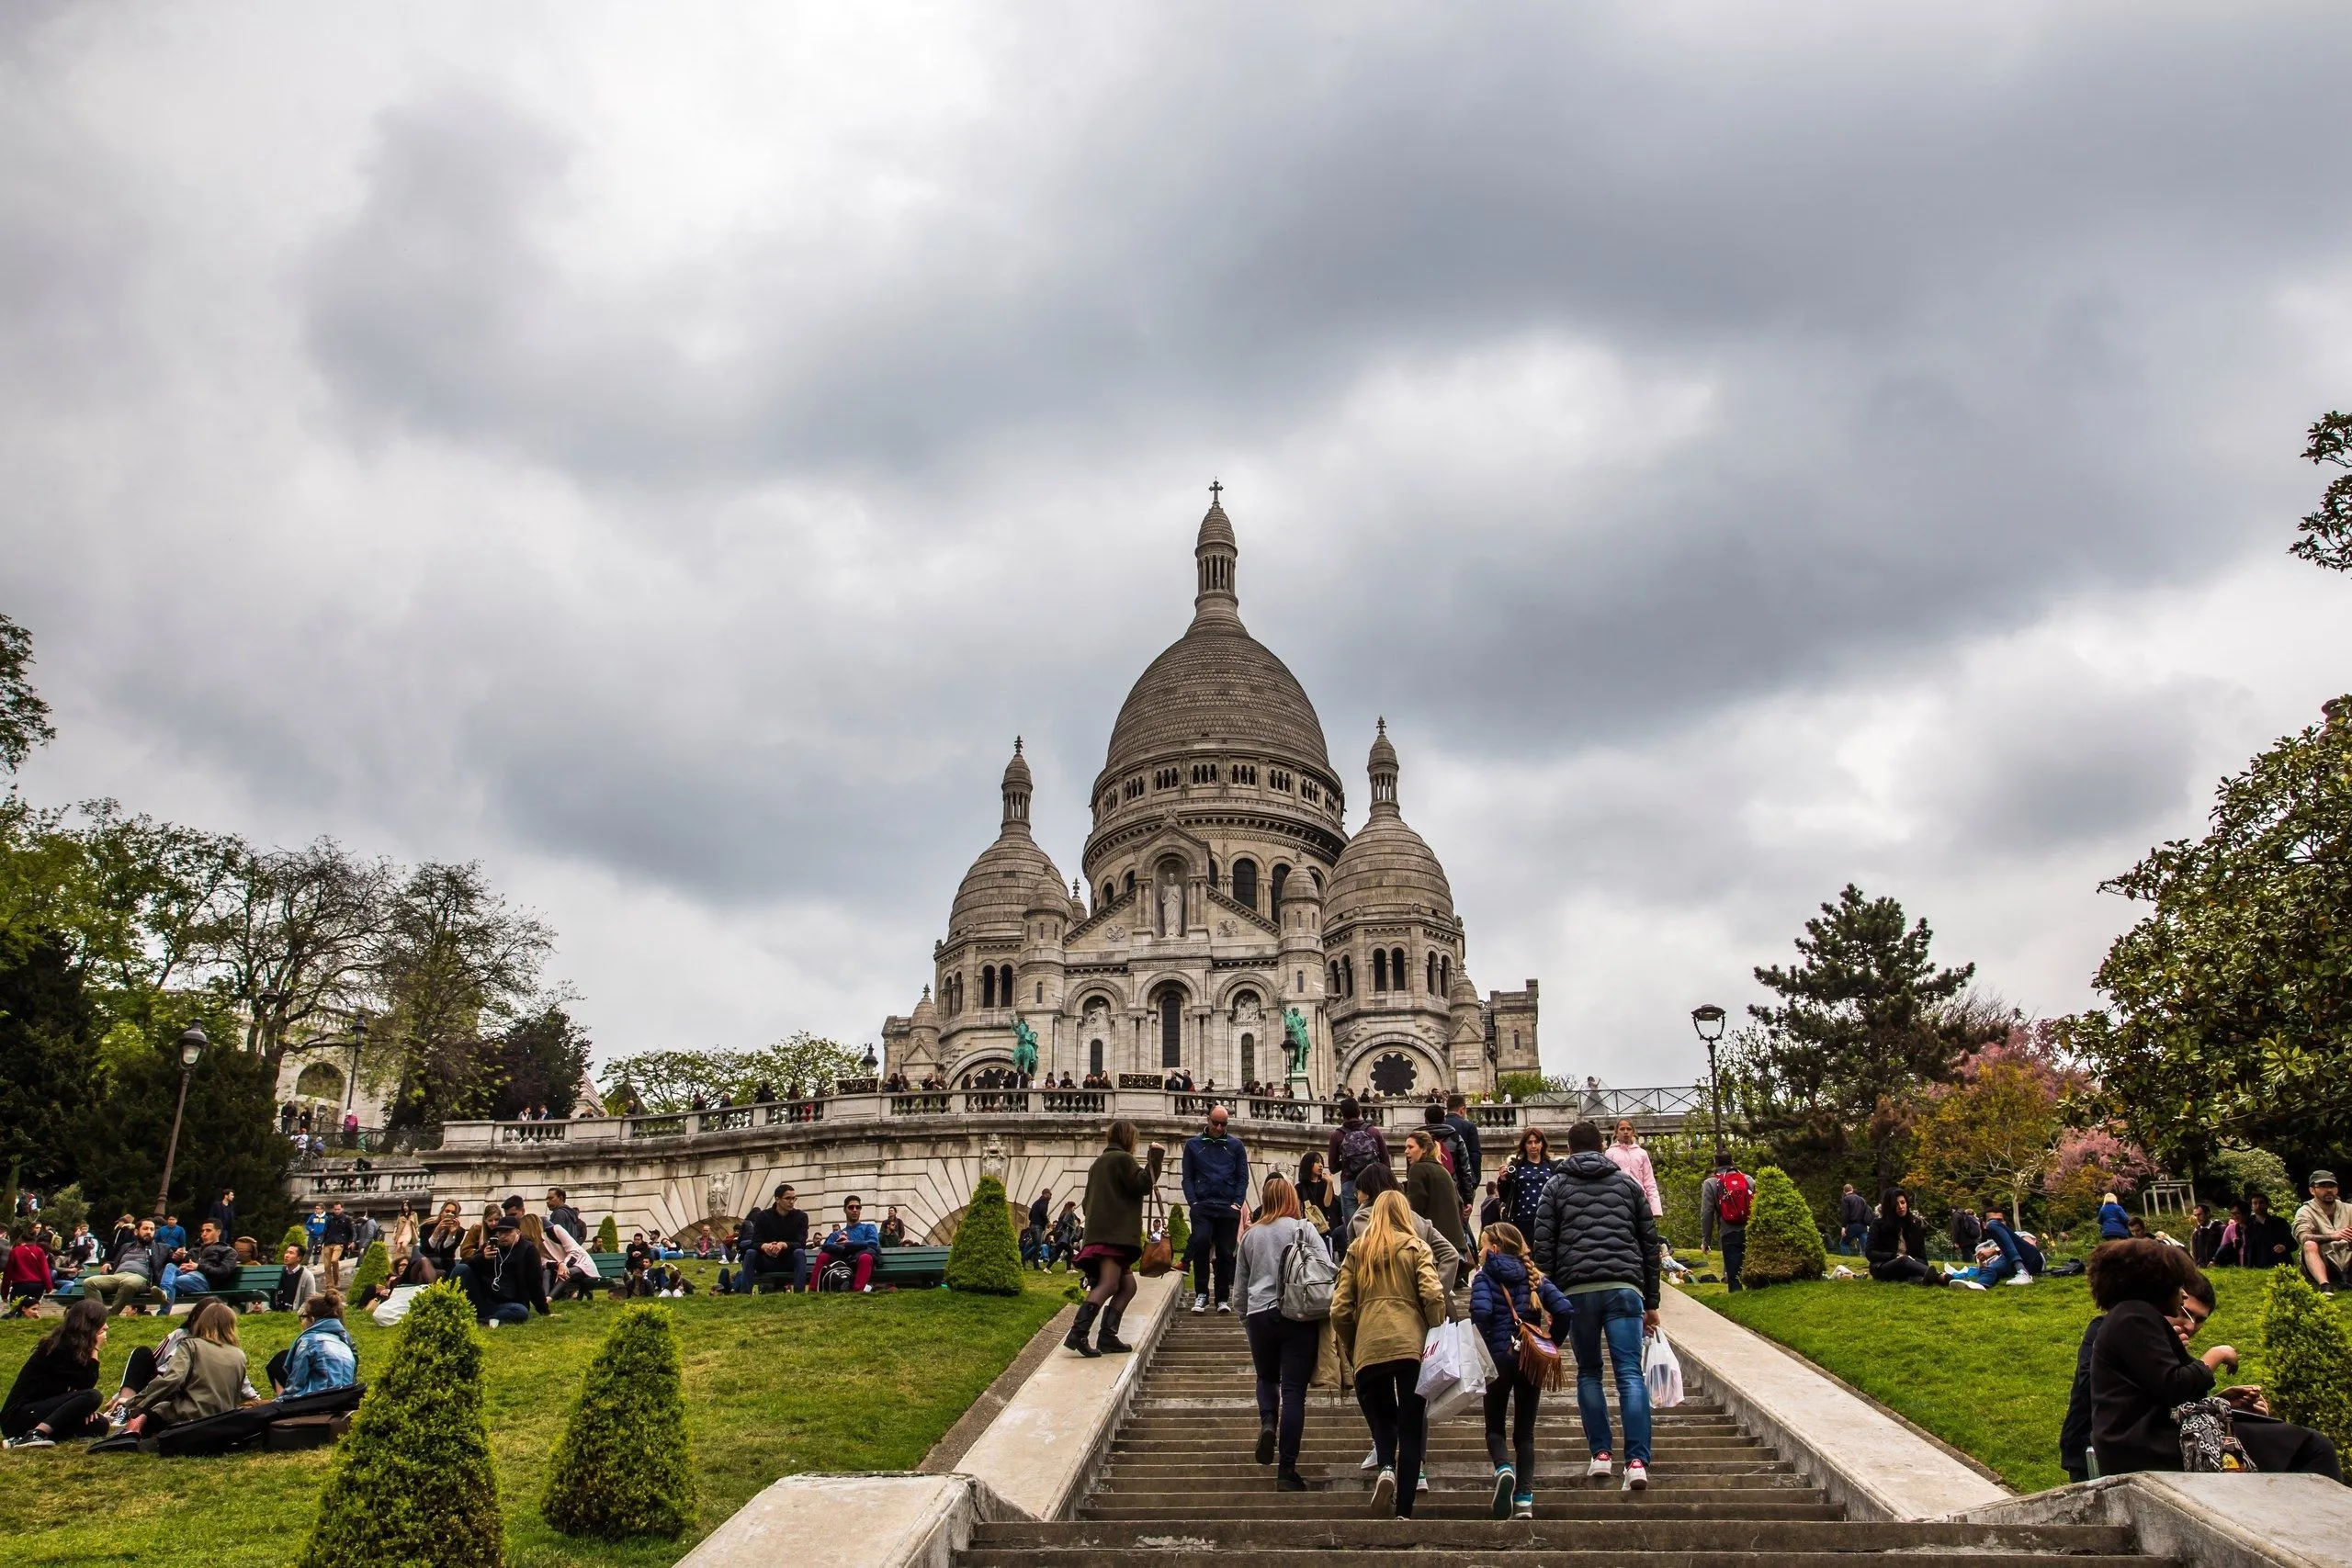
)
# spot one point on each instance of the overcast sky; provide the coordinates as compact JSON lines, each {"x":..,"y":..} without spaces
{"x":667,"y":454}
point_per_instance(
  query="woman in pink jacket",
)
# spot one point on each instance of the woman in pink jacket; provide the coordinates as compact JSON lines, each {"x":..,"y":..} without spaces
{"x":1634,"y":1161}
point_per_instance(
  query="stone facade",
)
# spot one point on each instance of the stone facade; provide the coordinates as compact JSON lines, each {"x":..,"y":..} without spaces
{"x":1221,"y":889}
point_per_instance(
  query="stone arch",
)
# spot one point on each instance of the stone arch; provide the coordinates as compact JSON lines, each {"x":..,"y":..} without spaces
{"x":942,"y":1230}
{"x":1168,"y":1001}
{"x":320,"y":1080}
{"x":1230,"y":986}
{"x":1428,"y":1071}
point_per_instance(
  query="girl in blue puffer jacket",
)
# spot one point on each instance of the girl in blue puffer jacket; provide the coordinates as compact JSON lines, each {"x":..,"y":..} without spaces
{"x":1504,"y":1292}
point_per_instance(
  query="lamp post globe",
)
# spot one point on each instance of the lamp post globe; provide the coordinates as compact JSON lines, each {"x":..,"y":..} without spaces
{"x":192,"y":1044}
{"x":1708,"y":1020}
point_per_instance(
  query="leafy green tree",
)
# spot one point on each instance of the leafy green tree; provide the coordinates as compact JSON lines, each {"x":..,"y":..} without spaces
{"x":541,"y":1059}
{"x":669,"y":1080}
{"x":454,"y":962}
{"x":2242,"y":1172}
{"x":47,"y":1056}
{"x":2327,"y":533}
{"x":1784,"y":1242}
{"x":985,"y":1257}
{"x":624,"y":1466}
{"x":2310,"y":1356}
{"x":1864,"y":1020}
{"x":2230,"y":1003}
{"x":1996,"y":1126}
{"x":412,"y":1482}
{"x":24,"y":717}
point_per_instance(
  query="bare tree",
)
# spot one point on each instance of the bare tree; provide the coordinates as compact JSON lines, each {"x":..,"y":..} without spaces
{"x":299,"y":938}
{"x":454,"y":964}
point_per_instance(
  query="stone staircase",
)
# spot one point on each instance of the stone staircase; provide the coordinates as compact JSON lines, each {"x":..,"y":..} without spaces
{"x":1181,"y":1488}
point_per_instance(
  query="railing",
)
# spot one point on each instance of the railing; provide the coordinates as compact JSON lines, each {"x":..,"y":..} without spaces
{"x":1561,"y":1095}
{"x":409,"y":1180}
{"x":1155,"y":1103}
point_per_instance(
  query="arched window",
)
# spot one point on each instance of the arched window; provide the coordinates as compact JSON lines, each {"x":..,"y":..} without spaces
{"x":1249,"y":1058}
{"x":1396,"y":970}
{"x":1445,"y":975}
{"x":1172,"y":1027}
{"x":1281,"y":874}
{"x":1211,"y":871}
{"x":988,"y":987}
{"x":1333,"y":969}
{"x":1379,"y":968}
{"x":1245,"y":882}
{"x":1131,"y":882}
{"x":1041,"y":992}
{"x":1110,"y":894}
{"x":320,"y":1080}
{"x":1094,"y":1055}
{"x":1004,"y":984}
{"x":1430,"y":984}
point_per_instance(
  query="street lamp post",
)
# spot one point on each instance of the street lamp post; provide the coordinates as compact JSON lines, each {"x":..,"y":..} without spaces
{"x":1709,"y":1022}
{"x":351,"y":1084}
{"x":192,"y":1044}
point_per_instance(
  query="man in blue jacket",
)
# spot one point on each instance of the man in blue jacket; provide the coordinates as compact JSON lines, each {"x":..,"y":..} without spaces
{"x":857,"y":1239}
{"x":1216,"y":1184}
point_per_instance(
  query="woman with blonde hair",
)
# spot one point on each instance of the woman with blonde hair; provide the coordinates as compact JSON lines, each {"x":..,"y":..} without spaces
{"x":1627,"y":1155}
{"x":1505,"y":1296}
{"x":1387,"y":1299}
{"x":206,"y":1377}
{"x":1282,"y":1350}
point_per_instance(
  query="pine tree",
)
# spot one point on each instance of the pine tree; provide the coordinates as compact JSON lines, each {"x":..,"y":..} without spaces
{"x":608,"y":1235}
{"x":624,"y":1466}
{"x":985,"y":1256}
{"x":1784,"y":1242}
{"x":413,"y":1483}
{"x":375,"y":1268}
{"x":1180,"y":1232}
{"x":2310,"y":1357}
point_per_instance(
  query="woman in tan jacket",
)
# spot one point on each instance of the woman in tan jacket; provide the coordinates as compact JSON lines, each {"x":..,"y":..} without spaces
{"x":207,"y":1377}
{"x":1387,"y":1299}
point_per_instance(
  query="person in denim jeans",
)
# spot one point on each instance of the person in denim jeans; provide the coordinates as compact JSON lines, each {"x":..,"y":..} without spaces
{"x":1595,"y":1237}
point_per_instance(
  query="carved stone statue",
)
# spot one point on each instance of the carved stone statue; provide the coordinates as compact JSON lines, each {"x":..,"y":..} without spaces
{"x":1171,"y":907}
{"x":1245,"y":1011}
{"x":1098,"y":1017}
{"x":1025,"y":1048}
{"x":1294,"y":1033}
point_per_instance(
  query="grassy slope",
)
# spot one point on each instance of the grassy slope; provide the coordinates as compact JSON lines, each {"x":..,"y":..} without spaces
{"x":774,"y":1384}
{"x":1986,"y":1371}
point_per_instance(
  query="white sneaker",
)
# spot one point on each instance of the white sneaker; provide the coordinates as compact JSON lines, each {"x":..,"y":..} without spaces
{"x":1598,"y":1470}
{"x":1972,"y":1284}
{"x":1200,"y":1304}
{"x":31,"y":1440}
{"x":1371,"y":1461}
{"x":1384,"y":1493}
{"x":2019,"y":1280}
{"x":495,"y":1323}
{"x":1224,"y":1309}
{"x":1637,"y":1475}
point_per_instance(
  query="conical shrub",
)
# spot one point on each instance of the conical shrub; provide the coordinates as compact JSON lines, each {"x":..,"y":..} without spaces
{"x":608,"y":1235}
{"x":295,"y":1236}
{"x":375,"y":1268}
{"x":1784,"y":1242}
{"x":1180,"y":1232}
{"x":2310,"y":1357}
{"x":985,"y":1256}
{"x":623,"y":1468}
{"x":412,"y":1482}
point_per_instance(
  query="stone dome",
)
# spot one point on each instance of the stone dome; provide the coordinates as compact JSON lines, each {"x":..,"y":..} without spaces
{"x":1386,"y":869}
{"x":996,"y":893}
{"x":1048,"y":898}
{"x":926,"y":1013}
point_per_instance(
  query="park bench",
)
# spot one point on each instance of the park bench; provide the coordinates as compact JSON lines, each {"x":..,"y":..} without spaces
{"x":910,"y":1267}
{"x":254,"y":1282}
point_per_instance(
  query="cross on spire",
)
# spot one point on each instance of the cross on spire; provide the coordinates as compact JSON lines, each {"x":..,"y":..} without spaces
{"x":1216,"y":489}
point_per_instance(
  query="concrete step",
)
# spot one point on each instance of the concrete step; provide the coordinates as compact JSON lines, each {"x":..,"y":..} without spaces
{"x":1465,"y":1447}
{"x":1529,"y":1556}
{"x":1612,"y":1534}
{"x":1459,"y":1471}
{"x":1179,"y":1495}
{"x":1308,"y":1507}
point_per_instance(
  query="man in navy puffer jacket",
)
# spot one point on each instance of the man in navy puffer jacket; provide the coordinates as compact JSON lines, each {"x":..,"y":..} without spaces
{"x":1216,"y":1184}
{"x":1595,"y":1237}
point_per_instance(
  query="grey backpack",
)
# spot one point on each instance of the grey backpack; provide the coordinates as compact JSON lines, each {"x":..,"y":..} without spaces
{"x":1308,"y":1275}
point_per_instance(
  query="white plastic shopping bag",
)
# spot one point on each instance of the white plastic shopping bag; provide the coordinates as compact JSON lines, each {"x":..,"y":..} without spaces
{"x":1441,"y":1361}
{"x":1474,"y":1364}
{"x":1661,"y":1371}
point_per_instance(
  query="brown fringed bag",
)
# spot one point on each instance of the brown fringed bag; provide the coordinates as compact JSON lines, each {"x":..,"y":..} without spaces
{"x":1539,"y":1358}
{"x":1158,"y":1258}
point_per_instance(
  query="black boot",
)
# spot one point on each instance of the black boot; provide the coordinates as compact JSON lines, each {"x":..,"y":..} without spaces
{"x":1108,"y":1342}
{"x":1076,"y":1338}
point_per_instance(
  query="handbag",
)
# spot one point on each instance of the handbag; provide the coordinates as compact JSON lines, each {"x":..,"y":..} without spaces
{"x":2208,"y":1445}
{"x":1539,"y":1358}
{"x":1309,"y":1277}
{"x":1158,"y":1258}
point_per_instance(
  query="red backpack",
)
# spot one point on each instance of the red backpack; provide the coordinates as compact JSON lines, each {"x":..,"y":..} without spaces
{"x":1731,"y":1207}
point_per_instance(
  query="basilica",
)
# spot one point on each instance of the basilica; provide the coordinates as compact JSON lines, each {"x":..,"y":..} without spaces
{"x":1221,"y":893}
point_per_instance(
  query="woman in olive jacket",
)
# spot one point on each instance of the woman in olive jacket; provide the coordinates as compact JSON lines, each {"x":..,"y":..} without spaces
{"x":1115,"y":1188}
{"x":1385,"y":1300}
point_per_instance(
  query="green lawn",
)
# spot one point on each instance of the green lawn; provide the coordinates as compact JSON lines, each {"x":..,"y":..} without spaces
{"x":1986,"y":1371}
{"x":774,"y":1384}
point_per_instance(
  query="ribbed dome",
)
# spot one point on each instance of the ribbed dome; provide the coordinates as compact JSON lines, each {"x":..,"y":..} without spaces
{"x":1216,"y":685}
{"x":1047,"y":897}
{"x":1386,"y":869}
{"x":926,"y":1013}
{"x":996,"y":892}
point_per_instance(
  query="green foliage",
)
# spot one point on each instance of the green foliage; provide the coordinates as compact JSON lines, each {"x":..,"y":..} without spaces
{"x":1995,"y":1129}
{"x":47,"y":1057}
{"x":985,"y":1255}
{"x":2229,"y":1002}
{"x":412,"y":1482}
{"x":540,"y":1059}
{"x":24,"y":717}
{"x":2241,"y":1172}
{"x":1784,"y":1242}
{"x":624,"y":1468}
{"x":65,"y":1209}
{"x":668,"y":1080}
{"x":295,"y":1236}
{"x":1180,"y":1230}
{"x":2310,"y":1356}
{"x":454,"y":956}
{"x":375,"y":1268}
{"x":608,"y":1235}
{"x":1520,"y":1087}
{"x":2327,"y":533}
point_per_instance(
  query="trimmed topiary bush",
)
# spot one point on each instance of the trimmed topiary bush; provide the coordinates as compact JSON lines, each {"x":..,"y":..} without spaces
{"x":608,"y":1235}
{"x":295,"y":1236}
{"x":985,"y":1257}
{"x":375,"y":1268}
{"x":1784,"y":1242}
{"x":412,"y":1481}
{"x":2310,"y":1356}
{"x":1180,"y":1233}
{"x":623,"y":1468}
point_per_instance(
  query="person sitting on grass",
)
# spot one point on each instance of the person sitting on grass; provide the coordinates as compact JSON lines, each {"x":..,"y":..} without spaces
{"x":2018,"y":1260}
{"x":575,"y":1267}
{"x":2268,"y":1242}
{"x":2142,"y":1373}
{"x":322,"y":1357}
{"x":1033,"y":1247}
{"x":204,"y":1376}
{"x":2114,"y":1220}
{"x":2323,"y":1234}
{"x":857,"y":1242}
{"x":29,"y":1276}
{"x":55,"y":1397}
{"x":1896,"y":1243}
{"x":514,"y":1280}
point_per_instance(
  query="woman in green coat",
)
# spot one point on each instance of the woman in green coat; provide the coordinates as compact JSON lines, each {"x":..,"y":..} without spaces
{"x":1115,"y":1188}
